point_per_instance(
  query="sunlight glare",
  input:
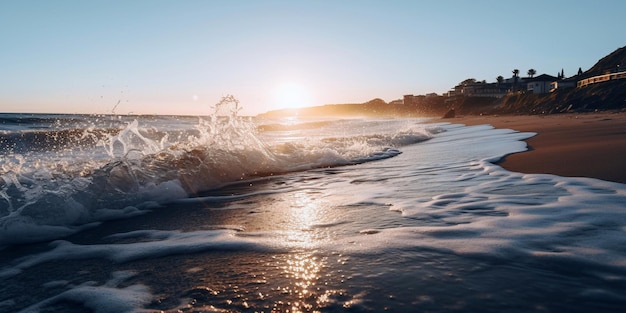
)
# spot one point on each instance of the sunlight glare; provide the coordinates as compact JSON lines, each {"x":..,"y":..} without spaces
{"x":291,"y":96}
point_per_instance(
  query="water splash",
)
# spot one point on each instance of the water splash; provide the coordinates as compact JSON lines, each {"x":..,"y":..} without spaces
{"x":116,"y":167}
{"x":127,"y":167}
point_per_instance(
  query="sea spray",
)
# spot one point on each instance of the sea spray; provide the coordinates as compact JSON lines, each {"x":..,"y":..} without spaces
{"x":57,"y":189}
{"x":225,"y":149}
{"x":111,"y":167}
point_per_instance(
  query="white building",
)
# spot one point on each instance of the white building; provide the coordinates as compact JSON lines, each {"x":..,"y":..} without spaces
{"x":540,"y":84}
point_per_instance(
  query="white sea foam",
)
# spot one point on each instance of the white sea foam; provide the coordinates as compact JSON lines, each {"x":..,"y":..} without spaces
{"x":107,"y":298}
{"x":481,"y":209}
{"x":150,"y":244}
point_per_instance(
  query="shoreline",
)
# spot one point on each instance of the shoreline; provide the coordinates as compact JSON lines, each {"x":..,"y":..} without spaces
{"x":570,"y":144}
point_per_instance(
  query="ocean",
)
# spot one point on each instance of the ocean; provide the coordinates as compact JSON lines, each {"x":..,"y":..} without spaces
{"x":225,"y":213}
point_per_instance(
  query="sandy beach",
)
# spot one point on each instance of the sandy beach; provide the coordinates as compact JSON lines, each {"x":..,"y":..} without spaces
{"x":572,"y":145}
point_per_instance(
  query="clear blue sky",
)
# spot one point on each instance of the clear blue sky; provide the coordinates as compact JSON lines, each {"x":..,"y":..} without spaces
{"x":180,"y":57}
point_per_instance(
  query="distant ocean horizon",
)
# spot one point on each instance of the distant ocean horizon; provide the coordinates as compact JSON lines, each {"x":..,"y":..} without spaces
{"x":224,"y":213}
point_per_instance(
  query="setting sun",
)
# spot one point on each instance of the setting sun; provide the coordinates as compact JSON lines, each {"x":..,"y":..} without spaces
{"x":292,"y":95}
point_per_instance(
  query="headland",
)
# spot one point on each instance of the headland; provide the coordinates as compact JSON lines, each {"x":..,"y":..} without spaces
{"x":580,"y":120}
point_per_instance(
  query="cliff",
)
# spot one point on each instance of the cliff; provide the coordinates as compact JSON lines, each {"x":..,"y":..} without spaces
{"x":603,"y":96}
{"x":609,"y":64}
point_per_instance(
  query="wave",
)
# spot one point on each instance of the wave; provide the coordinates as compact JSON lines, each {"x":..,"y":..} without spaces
{"x":45,"y":140}
{"x":49,"y":189}
{"x":291,"y":127}
{"x":21,"y":121}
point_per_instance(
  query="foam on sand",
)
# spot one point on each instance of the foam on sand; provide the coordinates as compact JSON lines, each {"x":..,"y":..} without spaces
{"x":106,"y":298}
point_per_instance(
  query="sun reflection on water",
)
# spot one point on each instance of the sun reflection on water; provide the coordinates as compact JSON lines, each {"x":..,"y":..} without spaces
{"x":302,"y":270}
{"x":302,"y":276}
{"x":301,"y":267}
{"x":304,"y":213}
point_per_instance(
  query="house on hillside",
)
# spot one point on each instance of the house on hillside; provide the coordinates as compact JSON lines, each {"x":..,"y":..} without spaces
{"x":540,"y":84}
{"x":480,"y":89}
{"x":563,"y":83}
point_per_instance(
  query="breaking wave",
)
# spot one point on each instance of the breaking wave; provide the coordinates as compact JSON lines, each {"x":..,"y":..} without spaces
{"x":57,"y":178}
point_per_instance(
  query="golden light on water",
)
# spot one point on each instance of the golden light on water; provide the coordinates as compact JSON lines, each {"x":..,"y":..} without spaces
{"x":301,"y":278}
{"x":301,"y":267}
{"x":304,"y":213}
{"x":303,"y":270}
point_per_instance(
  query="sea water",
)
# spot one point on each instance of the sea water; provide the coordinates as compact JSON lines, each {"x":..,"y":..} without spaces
{"x":224,"y":213}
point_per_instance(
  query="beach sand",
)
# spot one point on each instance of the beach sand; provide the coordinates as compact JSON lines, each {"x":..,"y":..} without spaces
{"x":573,"y":145}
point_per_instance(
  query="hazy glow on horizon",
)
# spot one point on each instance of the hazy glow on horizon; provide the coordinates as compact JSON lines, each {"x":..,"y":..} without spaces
{"x":171,"y":57}
{"x":292,"y":95}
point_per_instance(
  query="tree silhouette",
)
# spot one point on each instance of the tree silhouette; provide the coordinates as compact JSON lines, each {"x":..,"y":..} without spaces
{"x":515,"y":76}
{"x":532,"y":72}
{"x":500,"y":79}
{"x":468,"y":81}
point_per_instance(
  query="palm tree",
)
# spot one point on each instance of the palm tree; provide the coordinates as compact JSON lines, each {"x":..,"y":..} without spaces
{"x":532,"y":72}
{"x":515,"y":76}
{"x":500,"y":79}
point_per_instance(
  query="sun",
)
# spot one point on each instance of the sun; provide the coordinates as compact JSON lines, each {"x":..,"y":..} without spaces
{"x":292,"y":96}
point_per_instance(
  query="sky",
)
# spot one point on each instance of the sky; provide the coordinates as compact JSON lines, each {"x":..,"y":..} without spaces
{"x":182,"y":57}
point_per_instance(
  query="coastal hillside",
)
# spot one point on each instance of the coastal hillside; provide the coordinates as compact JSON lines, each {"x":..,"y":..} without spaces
{"x":613,"y":62}
{"x":598,"y":97}
{"x":609,"y":95}
{"x":603,"y":96}
{"x":376,"y":107}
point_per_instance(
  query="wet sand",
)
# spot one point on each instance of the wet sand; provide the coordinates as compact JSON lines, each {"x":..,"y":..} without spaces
{"x":573,"y":145}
